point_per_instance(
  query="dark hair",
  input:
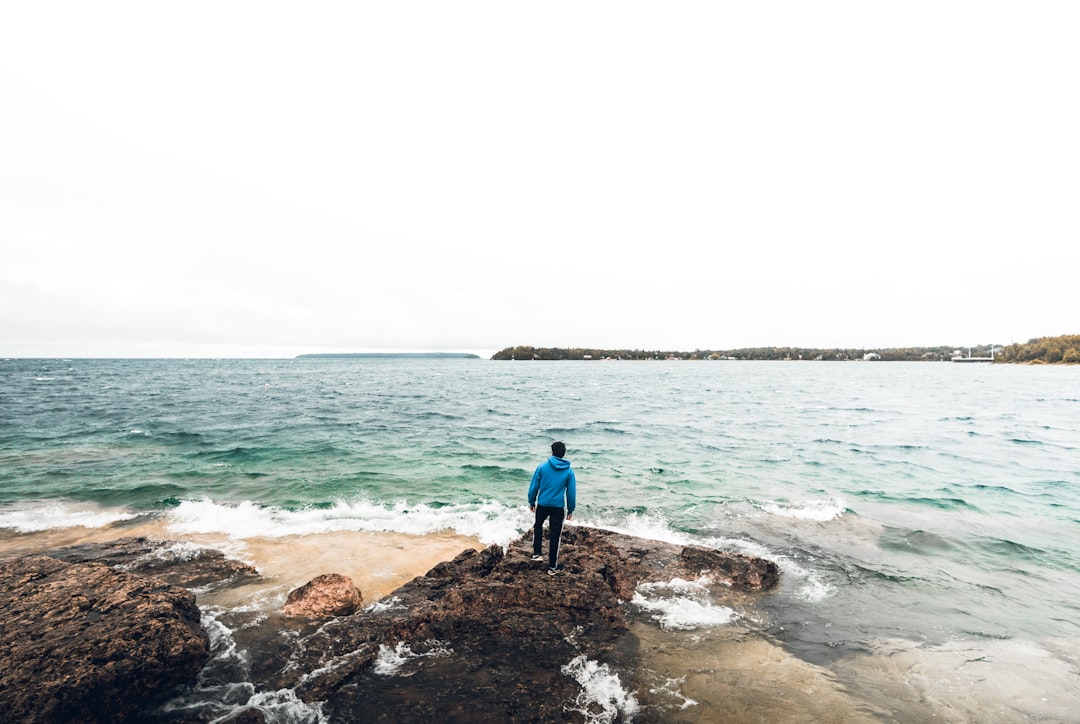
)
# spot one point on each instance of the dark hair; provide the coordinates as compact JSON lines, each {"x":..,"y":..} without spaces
{"x":558,"y":449}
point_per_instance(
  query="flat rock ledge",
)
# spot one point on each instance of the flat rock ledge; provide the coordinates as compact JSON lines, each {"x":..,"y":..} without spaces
{"x":487,"y":636}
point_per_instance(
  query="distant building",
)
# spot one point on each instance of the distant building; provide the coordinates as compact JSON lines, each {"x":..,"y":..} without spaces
{"x":871,"y":356}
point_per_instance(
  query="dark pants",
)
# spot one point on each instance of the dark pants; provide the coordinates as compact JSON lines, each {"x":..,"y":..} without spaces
{"x":556,"y":514}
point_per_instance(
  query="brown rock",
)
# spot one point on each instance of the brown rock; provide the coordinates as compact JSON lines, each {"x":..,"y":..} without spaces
{"x":490,"y":622}
{"x":82,"y":642}
{"x":330,"y":594}
{"x":181,"y":564}
{"x":483,"y":637}
{"x":747,"y":572}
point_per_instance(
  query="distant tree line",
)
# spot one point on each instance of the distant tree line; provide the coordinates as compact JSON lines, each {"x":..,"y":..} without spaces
{"x":745,"y":353}
{"x":1044,"y":350}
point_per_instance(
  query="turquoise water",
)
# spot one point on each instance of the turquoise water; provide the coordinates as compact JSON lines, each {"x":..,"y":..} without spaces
{"x":929,"y":502}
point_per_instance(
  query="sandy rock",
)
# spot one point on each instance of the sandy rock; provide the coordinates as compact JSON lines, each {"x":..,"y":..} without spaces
{"x":330,"y":594}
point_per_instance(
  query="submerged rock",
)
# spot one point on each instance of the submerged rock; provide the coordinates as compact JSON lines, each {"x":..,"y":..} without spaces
{"x":83,"y":642}
{"x":330,"y":594}
{"x":181,"y":564}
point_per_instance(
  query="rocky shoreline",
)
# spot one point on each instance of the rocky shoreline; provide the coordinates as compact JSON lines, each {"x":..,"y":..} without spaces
{"x":112,"y":632}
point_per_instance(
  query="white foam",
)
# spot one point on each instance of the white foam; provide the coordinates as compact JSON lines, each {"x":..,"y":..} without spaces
{"x":821,"y":511}
{"x":232,"y":692}
{"x":810,"y":586}
{"x":33,"y":517}
{"x":178,"y":550}
{"x":683,"y":612}
{"x":490,"y":522}
{"x":392,"y":661}
{"x":670,"y":688}
{"x":682,"y":604}
{"x":651,"y":526}
{"x":698,"y":586}
{"x":222,"y":644}
{"x":284,"y":705}
{"x":387,"y":604}
{"x":602,"y":697}
{"x":656,"y":527}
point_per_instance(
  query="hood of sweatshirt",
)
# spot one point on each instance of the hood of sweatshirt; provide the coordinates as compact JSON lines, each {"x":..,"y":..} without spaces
{"x":558,"y":463}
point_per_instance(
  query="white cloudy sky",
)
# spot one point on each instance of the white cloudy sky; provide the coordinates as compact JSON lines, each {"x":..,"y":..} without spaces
{"x":260,"y":178}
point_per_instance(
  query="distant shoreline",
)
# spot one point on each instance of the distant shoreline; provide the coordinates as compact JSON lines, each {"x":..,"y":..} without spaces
{"x":390,"y":355}
{"x":1064,"y":349}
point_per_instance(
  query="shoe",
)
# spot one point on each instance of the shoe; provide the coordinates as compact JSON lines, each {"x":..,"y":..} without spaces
{"x":554,"y":571}
{"x":537,"y":557}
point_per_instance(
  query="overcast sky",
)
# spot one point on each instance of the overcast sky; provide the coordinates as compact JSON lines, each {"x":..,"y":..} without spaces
{"x":267,"y":179}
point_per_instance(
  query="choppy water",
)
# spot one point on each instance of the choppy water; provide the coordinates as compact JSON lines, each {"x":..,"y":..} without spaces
{"x":923,"y":502}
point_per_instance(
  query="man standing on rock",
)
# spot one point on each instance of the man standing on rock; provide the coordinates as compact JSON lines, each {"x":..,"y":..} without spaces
{"x":552,"y":482}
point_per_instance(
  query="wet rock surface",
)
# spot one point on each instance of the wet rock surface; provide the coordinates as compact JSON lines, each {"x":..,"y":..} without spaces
{"x":487,"y":636}
{"x":83,"y":642}
{"x":180,"y":564}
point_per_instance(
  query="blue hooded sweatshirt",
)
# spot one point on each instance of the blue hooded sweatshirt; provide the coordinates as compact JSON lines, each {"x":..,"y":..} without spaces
{"x":552,"y":480}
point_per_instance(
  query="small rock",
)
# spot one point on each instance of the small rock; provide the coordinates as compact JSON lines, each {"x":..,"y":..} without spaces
{"x":330,"y":594}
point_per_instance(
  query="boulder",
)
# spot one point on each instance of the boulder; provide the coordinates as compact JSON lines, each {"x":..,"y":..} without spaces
{"x":83,"y":642}
{"x":330,"y":594}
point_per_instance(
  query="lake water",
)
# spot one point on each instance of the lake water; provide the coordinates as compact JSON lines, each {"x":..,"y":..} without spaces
{"x":925,"y":516}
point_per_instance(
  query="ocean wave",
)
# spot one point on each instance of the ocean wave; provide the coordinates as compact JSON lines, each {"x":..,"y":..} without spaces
{"x":942,"y":503}
{"x":491,"y":522}
{"x":807,"y":583}
{"x":914,"y":541}
{"x":1008,"y":550}
{"x":178,"y":438}
{"x":821,"y":511}
{"x":34,"y":517}
{"x":643,"y":525}
{"x":993,"y":489}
